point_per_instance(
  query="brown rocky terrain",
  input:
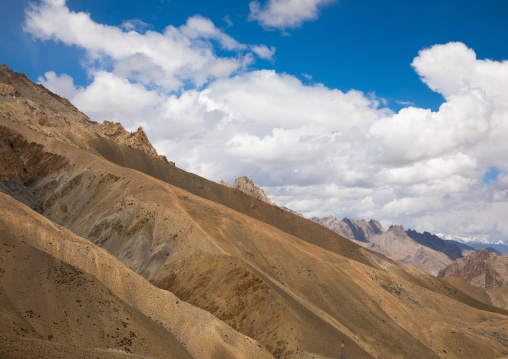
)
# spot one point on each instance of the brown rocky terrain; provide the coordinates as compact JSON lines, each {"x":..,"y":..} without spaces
{"x":484,"y":270}
{"x":481,"y":269}
{"x":39,"y":109}
{"x":231,"y":276}
{"x":117,"y":133}
{"x":246,"y":185}
{"x":19,"y":347}
{"x":63,"y":289}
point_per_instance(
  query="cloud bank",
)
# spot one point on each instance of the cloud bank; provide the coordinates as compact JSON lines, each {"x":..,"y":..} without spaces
{"x":316,"y":150}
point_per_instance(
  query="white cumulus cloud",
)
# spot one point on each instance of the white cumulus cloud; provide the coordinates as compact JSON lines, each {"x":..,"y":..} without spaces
{"x":171,"y":58}
{"x":62,"y":85}
{"x":284,"y":14}
{"x":312,"y":148}
{"x":264,"y":52}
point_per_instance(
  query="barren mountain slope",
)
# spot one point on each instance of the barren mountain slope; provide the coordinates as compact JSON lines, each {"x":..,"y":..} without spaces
{"x":186,"y":244}
{"x":66,"y":123}
{"x":148,"y":227}
{"x":475,"y":292}
{"x":499,"y":296}
{"x":59,"y":287}
{"x":289,"y":294}
{"x":46,"y":298}
{"x":39,"y":109}
{"x":484,"y":270}
{"x":20,"y":347}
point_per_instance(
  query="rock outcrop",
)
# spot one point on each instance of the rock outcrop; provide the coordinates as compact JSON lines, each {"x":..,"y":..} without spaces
{"x":224,"y":183}
{"x":246,"y":185}
{"x":487,"y":271}
{"x":481,"y":269}
{"x":39,"y":109}
{"x":6,"y":90}
{"x":117,"y":133}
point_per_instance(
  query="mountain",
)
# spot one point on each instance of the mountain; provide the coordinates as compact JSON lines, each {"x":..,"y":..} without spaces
{"x":463,"y":239}
{"x":397,"y":245}
{"x":360,"y":230}
{"x":484,"y":270}
{"x":421,"y":250}
{"x":451,"y":249}
{"x":209,"y":270}
{"x":464,"y":248}
{"x":475,"y":242}
{"x":481,"y":268}
{"x":491,"y":247}
{"x":246,"y":185}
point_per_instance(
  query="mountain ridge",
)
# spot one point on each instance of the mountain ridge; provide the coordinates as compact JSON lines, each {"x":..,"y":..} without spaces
{"x":289,"y":286}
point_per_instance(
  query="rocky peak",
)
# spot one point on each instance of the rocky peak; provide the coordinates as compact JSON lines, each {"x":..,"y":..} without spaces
{"x":18,"y":85}
{"x":376,"y":226}
{"x":33,"y":106}
{"x":482,"y":254}
{"x":246,"y":185}
{"x":117,"y":133}
{"x":398,"y":231}
{"x":358,"y":228}
{"x":139,"y":140}
{"x":111,"y":130}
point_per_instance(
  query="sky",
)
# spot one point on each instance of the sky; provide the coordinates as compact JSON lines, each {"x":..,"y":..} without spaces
{"x":393,"y":110}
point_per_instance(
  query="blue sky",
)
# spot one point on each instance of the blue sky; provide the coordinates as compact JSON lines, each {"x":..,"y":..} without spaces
{"x":365,"y":45}
{"x":394,"y":110}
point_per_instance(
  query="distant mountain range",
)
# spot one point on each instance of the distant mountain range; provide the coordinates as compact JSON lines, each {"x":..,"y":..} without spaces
{"x":424,"y":250}
{"x":477,"y":242}
{"x":491,"y":247}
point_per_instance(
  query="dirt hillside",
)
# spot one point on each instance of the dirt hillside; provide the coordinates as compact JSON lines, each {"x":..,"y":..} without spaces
{"x":75,"y":293}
